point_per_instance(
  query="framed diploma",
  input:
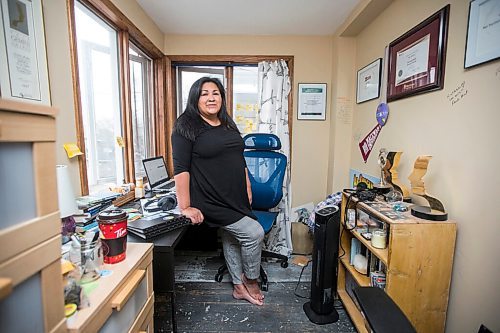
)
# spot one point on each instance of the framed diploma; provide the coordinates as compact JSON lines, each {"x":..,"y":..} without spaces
{"x":312,"y":101}
{"x":368,"y":87}
{"x":483,"y":32}
{"x":23,"y":60}
{"x":417,"y":58}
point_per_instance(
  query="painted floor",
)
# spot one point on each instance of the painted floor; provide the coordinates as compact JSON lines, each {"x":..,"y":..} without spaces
{"x":203,"y":305}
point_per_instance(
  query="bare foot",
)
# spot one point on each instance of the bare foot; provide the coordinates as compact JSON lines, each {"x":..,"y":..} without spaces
{"x":252,"y":287}
{"x":241,"y":292}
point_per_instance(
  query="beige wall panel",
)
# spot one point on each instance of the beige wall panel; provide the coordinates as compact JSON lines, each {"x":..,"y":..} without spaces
{"x":59,"y":63}
{"x":461,"y":137}
{"x":342,"y":104}
{"x":135,"y":13}
{"x":312,"y":64}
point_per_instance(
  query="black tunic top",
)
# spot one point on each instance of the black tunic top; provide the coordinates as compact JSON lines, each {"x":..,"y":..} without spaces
{"x":216,"y":167}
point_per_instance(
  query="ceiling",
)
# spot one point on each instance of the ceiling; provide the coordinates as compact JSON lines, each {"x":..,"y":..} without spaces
{"x":248,"y":17}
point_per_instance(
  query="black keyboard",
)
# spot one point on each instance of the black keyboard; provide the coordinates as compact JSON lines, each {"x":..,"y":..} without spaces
{"x":177,"y":222}
{"x":174,"y":223}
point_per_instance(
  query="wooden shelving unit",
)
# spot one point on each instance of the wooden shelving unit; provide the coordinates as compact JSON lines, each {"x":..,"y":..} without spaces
{"x":30,"y":226}
{"x":418,"y":260}
{"x":31,"y":283}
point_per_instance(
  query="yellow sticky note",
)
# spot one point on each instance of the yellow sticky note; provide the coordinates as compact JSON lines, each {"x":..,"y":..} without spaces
{"x":120,"y":142}
{"x":72,"y":150}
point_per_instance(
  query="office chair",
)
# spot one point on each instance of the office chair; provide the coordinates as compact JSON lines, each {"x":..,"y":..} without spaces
{"x":266,"y":171}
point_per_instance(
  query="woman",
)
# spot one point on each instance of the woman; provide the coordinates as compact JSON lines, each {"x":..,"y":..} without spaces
{"x":212,"y":183}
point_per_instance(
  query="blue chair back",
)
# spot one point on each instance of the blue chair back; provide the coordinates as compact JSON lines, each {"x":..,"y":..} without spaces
{"x":266,"y":169}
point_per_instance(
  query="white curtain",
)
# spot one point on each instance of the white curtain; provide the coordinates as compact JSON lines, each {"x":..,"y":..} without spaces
{"x":274,"y":88}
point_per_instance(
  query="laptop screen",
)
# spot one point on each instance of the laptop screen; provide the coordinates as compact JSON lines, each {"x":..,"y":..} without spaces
{"x":156,"y":171}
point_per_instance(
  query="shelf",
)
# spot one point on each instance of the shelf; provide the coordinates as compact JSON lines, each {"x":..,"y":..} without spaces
{"x":26,"y":107}
{"x":418,"y":268}
{"x":352,"y":310}
{"x":382,"y":254}
{"x":361,"y":280}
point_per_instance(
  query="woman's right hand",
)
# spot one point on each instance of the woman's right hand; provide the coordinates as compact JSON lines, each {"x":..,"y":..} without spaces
{"x":194,"y":214}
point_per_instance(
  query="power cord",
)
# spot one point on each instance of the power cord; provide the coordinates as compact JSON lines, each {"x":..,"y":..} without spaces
{"x":298,"y":282}
{"x":337,"y":302}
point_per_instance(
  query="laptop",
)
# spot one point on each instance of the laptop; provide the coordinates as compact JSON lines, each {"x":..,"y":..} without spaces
{"x":157,"y":174}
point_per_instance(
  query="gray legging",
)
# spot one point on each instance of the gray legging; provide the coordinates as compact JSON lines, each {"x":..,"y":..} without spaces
{"x":242,"y":244}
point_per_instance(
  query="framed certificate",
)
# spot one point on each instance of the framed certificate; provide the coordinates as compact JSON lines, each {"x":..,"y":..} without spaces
{"x":417,"y":58}
{"x":23,"y":60}
{"x":368,"y":86}
{"x":483,"y":32}
{"x":312,"y":101}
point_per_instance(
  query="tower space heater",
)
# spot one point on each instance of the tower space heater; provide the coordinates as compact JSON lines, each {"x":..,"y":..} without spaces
{"x":320,"y":309}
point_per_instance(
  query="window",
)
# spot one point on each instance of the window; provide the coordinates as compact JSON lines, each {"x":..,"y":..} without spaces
{"x":98,"y":72}
{"x":242,"y":99}
{"x":186,"y":76}
{"x":141,"y":101}
{"x":119,"y":84}
{"x":245,"y":99}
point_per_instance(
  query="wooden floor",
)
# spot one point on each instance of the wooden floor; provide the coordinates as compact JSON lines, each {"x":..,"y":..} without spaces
{"x":203,"y":305}
{"x":210,"y":307}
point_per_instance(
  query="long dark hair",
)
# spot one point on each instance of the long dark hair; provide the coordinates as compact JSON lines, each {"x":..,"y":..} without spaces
{"x":190,"y":123}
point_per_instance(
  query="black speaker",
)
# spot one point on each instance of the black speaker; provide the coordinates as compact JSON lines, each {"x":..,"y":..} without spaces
{"x":320,"y":309}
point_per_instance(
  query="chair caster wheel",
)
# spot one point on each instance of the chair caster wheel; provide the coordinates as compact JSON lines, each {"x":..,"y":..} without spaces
{"x":263,"y":286}
{"x":284,"y":264}
{"x":218,"y":277}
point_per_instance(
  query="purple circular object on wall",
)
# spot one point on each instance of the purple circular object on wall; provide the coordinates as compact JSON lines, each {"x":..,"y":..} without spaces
{"x":382,"y":113}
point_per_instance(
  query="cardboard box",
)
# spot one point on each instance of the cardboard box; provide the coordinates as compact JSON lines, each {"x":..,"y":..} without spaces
{"x":302,"y":239}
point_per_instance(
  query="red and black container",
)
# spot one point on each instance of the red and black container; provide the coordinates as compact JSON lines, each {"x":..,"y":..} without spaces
{"x":113,"y":232}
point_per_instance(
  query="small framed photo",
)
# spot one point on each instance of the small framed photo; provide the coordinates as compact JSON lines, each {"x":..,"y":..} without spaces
{"x":483,"y":32}
{"x":368,"y":87}
{"x":417,"y":58}
{"x":312,"y":101}
{"x":23,"y":59}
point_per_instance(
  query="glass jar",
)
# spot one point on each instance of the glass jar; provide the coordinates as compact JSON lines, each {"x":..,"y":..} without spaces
{"x":86,"y":255}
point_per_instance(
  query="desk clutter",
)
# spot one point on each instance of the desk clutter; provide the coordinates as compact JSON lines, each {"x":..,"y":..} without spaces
{"x":98,"y":238}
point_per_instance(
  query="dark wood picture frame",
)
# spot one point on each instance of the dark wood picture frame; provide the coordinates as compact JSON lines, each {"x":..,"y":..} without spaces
{"x":417,"y":58}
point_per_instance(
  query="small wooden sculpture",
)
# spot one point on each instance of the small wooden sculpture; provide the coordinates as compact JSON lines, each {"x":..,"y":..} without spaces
{"x":391,"y":176}
{"x":435,"y":211}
